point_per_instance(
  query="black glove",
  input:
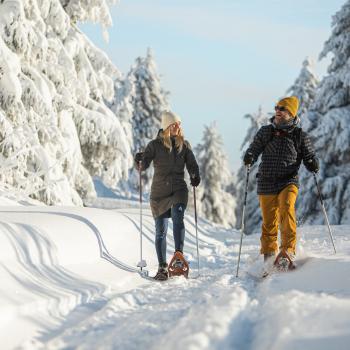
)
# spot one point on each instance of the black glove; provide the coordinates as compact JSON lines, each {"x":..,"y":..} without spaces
{"x":195,"y":181}
{"x":248,"y":159}
{"x":312,"y":165}
{"x":138,"y":157}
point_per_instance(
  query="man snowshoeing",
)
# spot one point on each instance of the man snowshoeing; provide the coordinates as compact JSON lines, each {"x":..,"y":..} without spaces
{"x":170,"y":154}
{"x":283,"y":146}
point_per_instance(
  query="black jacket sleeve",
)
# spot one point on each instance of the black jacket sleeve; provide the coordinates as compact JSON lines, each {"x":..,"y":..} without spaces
{"x":307,"y":149}
{"x":148,"y":155}
{"x":258,"y":144}
{"x":190,"y":161}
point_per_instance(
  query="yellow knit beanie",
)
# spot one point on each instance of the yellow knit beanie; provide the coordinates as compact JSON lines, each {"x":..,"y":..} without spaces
{"x":291,"y":104}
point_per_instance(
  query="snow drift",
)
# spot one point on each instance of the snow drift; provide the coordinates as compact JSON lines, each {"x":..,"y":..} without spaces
{"x":61,"y":290}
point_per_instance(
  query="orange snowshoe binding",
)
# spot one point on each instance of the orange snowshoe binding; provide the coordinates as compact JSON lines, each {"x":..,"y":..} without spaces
{"x":284,"y":262}
{"x":178,"y":266}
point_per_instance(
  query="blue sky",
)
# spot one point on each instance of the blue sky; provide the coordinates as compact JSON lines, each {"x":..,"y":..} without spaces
{"x":220,"y":59}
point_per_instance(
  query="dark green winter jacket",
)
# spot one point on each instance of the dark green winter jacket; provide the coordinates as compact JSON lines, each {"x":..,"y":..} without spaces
{"x":168,"y":185}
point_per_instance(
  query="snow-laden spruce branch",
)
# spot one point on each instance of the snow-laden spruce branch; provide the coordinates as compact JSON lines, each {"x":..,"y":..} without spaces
{"x":215,"y":202}
{"x":329,"y":116}
{"x":54,"y":86}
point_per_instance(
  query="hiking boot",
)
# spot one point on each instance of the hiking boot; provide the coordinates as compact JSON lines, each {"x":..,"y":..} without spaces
{"x":283,"y":264}
{"x":162,"y":274}
{"x":285,"y":261}
{"x":292,"y":264}
{"x":268,"y":257}
{"x":178,"y":264}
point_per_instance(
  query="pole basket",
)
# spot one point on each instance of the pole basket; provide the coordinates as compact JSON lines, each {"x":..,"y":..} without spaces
{"x":142,"y":264}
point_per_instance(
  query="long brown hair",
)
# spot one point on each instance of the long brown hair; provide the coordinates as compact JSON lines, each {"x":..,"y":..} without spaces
{"x":166,"y":139}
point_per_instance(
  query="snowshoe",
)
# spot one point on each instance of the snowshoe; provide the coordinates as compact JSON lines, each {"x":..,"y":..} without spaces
{"x":284,"y":262}
{"x":162,"y":274}
{"x":178,"y":266}
{"x":269,"y":259}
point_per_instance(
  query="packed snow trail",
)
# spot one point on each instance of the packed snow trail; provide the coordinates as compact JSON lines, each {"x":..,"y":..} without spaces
{"x":158,"y":315}
{"x":59,"y":294}
{"x":217,"y":311}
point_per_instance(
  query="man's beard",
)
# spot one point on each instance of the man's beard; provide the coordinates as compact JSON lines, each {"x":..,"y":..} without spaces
{"x":284,"y":124}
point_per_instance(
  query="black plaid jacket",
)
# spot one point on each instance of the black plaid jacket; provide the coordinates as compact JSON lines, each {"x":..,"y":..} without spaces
{"x":281,"y":157}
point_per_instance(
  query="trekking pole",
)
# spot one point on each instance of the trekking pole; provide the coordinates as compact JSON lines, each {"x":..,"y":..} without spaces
{"x":142,"y":263}
{"x":324,"y":211}
{"x":196,"y":221}
{"x":243,"y":215}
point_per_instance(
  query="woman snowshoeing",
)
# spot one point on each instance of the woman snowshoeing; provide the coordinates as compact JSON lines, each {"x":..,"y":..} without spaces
{"x":170,"y":154}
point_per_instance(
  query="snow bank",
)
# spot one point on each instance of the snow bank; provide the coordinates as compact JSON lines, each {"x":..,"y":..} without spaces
{"x":68,"y":282}
{"x":56,"y":260}
{"x":308,"y":308}
{"x":297,"y":320}
{"x":51,"y":262}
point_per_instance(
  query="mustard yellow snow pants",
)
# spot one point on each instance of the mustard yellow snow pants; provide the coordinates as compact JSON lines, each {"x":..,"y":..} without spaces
{"x":278,"y":210}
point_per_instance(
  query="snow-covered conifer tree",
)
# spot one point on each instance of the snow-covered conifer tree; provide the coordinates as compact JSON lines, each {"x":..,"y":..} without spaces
{"x":123,"y":108}
{"x":304,"y":88}
{"x":330,"y":115}
{"x":253,"y":215}
{"x":56,"y":130}
{"x":95,"y":11}
{"x":149,"y":102}
{"x":215,"y":203}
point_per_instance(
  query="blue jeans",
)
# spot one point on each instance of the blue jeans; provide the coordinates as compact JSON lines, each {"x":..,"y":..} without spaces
{"x":177,"y":215}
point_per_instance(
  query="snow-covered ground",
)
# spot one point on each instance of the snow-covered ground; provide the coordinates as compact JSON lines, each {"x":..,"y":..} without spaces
{"x":68,"y":282}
